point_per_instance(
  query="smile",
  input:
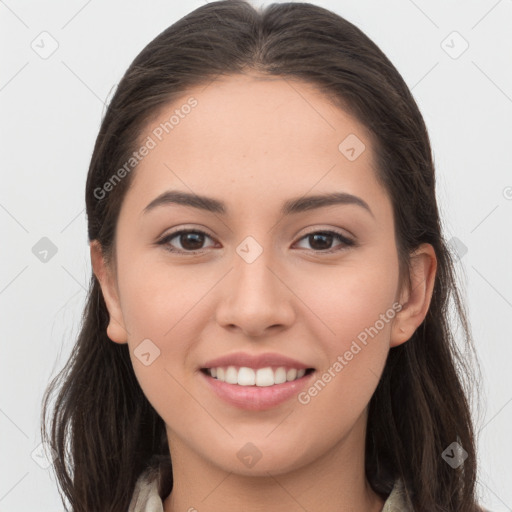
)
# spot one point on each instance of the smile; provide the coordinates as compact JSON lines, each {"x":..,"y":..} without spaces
{"x":260,"y":377}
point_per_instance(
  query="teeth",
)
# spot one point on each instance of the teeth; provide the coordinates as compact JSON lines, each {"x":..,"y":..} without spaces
{"x":246,"y":377}
{"x":291,"y":374}
{"x":280,"y":376}
{"x":231,"y":375}
{"x":261,"y":377}
{"x":265,"y":377}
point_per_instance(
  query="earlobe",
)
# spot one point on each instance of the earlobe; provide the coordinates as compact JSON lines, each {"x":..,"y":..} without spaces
{"x":116,"y":330}
{"x":416,"y":301}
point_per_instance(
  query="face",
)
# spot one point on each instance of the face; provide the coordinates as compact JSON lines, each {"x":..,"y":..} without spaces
{"x":312,"y":286}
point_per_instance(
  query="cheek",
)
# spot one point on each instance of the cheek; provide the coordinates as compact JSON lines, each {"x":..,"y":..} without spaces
{"x":162,"y":329}
{"x":352,"y":326}
{"x":156,"y":296}
{"x":349,"y":301}
{"x":158,"y":315}
{"x":169,"y":307}
{"x":356,"y":345}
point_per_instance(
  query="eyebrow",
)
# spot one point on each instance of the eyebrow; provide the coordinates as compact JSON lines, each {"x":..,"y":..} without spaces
{"x":292,"y":206}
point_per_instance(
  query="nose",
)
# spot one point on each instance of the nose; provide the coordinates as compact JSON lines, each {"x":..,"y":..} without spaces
{"x":255,"y":298}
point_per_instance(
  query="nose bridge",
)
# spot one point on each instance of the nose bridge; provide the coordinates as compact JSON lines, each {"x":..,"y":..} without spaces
{"x":254,"y":297}
{"x":252,"y":274}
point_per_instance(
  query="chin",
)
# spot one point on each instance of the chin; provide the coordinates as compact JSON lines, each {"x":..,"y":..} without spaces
{"x":253,"y":459}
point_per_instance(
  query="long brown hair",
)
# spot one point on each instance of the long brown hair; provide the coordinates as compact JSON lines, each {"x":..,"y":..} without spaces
{"x":103,"y":429}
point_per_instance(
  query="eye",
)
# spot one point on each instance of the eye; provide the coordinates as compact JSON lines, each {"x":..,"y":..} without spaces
{"x":322,"y":240}
{"x":190,"y":241}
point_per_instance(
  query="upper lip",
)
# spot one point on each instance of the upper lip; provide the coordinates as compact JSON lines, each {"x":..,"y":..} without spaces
{"x":254,"y":361}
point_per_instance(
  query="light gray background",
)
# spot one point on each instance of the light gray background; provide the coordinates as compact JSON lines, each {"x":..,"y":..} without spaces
{"x":51,"y":111}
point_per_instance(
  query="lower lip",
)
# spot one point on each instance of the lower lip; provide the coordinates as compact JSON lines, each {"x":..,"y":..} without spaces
{"x":256,"y":398}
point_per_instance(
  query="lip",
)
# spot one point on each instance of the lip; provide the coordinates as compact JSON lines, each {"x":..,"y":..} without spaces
{"x":255,"y":361}
{"x":256,"y":398}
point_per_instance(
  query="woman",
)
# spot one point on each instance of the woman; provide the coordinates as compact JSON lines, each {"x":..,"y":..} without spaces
{"x":270,"y":294}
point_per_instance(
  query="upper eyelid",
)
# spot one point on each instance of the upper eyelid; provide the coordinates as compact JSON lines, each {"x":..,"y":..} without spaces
{"x":310,"y":229}
{"x":205,"y":231}
{"x":179,"y":231}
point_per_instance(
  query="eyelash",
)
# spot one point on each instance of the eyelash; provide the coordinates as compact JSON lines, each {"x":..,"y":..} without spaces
{"x":346,"y":242}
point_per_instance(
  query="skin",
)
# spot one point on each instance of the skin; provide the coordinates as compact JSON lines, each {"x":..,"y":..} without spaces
{"x":255,"y":143}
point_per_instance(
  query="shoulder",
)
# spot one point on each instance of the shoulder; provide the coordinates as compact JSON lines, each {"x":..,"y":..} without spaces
{"x":396,"y":501}
{"x":145,"y":497}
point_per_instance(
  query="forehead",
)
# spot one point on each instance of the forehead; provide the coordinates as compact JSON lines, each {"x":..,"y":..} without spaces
{"x":264,"y":137}
{"x":253,"y":114}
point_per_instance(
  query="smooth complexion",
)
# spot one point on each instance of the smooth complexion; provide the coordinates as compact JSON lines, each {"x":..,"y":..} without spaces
{"x":255,"y":143}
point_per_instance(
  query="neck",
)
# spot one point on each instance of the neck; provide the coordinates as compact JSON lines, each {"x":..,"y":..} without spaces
{"x":334,"y":482}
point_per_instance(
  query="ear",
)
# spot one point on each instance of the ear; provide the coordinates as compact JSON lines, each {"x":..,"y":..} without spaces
{"x":415,"y":299}
{"x":116,"y":330}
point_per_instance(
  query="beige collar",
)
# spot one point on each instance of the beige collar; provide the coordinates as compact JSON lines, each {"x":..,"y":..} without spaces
{"x":146,"y":498}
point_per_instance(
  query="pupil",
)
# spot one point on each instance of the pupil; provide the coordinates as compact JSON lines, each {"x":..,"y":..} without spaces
{"x":198,"y":238}
{"x":193,"y":241}
{"x":322,"y":235}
